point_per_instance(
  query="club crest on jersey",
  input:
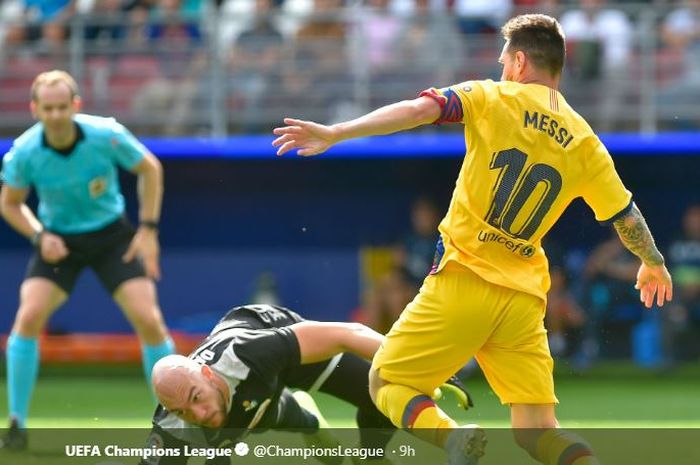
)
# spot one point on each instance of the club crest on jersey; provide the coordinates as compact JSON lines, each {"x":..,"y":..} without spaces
{"x":259,"y":414}
{"x":527,"y":251}
{"x":97,"y":186}
{"x":249,"y":405}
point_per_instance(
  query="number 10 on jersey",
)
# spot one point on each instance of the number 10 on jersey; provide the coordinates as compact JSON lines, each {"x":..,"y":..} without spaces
{"x":517,"y":186}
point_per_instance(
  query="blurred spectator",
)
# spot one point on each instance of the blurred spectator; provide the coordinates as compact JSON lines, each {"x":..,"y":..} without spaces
{"x":321,"y":40}
{"x":564,"y":318}
{"x":173,"y":26}
{"x":608,"y":294}
{"x":423,"y":33}
{"x":482,"y":16}
{"x":380,"y":30}
{"x":546,"y":7}
{"x":175,"y":40}
{"x":410,"y":7}
{"x":681,"y":319}
{"x":107,"y":22}
{"x":599,"y":42}
{"x":385,"y":300}
{"x":139,"y":12}
{"x":11,"y":13}
{"x":378,"y":54}
{"x":44,"y":22}
{"x":681,"y":33}
{"x":318,"y":78}
{"x":254,"y":67}
{"x":415,"y":251}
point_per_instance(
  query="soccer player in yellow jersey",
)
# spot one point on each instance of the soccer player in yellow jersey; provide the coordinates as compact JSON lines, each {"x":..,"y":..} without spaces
{"x":529,"y":154}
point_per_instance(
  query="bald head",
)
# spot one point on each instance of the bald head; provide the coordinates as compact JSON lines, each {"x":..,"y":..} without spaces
{"x":190,"y":390}
{"x":171,"y":375}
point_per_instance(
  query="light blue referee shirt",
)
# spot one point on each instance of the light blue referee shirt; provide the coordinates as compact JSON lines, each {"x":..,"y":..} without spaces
{"x":78,"y":191}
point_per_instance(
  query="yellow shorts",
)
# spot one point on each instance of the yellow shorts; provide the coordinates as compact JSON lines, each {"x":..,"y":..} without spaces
{"x":456,"y":316}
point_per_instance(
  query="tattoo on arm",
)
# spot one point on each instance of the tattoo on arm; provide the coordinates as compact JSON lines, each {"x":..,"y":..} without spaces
{"x":635,"y":235}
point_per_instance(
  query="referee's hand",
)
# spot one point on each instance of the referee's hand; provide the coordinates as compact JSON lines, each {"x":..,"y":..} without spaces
{"x":52,"y":248}
{"x":145,"y":245}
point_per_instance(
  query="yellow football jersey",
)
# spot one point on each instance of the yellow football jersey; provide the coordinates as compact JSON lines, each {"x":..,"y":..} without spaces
{"x":529,"y":154}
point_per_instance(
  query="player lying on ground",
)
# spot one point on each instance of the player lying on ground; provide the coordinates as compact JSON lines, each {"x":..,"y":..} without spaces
{"x":238,"y":380}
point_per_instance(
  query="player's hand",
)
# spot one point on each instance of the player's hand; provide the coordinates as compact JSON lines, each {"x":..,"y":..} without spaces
{"x":52,"y":247}
{"x":654,"y":281}
{"x":145,"y":245}
{"x":309,"y":137}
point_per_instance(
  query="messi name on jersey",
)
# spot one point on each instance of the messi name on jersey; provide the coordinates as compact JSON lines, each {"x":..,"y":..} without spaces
{"x":549,"y":126}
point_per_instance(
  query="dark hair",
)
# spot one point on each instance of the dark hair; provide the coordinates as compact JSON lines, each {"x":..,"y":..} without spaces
{"x":540,"y":37}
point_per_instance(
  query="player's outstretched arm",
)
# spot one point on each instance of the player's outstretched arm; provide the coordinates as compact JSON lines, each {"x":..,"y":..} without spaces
{"x":653,"y":279}
{"x":320,"y":340}
{"x":312,"y":138}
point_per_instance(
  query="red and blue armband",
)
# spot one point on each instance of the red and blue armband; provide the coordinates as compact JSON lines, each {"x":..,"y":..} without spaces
{"x":450,"y":105}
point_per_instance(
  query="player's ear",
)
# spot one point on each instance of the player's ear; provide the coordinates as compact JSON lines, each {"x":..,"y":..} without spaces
{"x":520,"y":59}
{"x":33,"y":108}
{"x":77,"y":103}
{"x":207,"y":372}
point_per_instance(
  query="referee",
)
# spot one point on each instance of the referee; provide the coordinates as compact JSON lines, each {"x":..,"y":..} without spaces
{"x":71,"y":161}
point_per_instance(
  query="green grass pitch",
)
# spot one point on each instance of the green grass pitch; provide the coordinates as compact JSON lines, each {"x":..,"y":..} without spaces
{"x":616,"y":396}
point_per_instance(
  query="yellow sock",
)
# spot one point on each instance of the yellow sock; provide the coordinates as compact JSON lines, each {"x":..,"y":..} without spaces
{"x":559,"y":447}
{"x":410,"y":409}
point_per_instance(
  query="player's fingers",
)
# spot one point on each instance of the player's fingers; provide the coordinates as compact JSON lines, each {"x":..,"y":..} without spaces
{"x":286,"y":147}
{"x":642,"y":293}
{"x":282,"y":139}
{"x":287,"y":130}
{"x":651,"y":293}
{"x":295,"y":122}
{"x":660,"y":295}
{"x":308,"y":152}
{"x":669,"y":292}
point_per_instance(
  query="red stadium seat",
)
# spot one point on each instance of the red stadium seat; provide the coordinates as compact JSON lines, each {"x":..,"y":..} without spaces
{"x":129,"y":74}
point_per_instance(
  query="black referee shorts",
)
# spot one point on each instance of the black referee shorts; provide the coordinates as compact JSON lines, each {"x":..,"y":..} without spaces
{"x":101,"y":250}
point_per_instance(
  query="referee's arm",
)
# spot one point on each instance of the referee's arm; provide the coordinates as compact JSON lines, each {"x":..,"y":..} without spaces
{"x":14,"y":209}
{"x":150,"y":193}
